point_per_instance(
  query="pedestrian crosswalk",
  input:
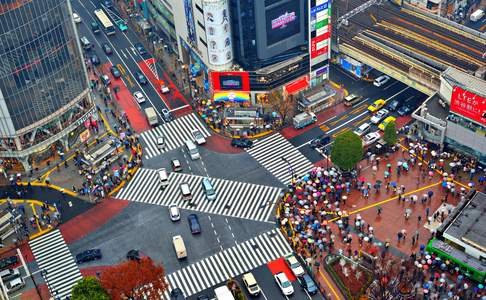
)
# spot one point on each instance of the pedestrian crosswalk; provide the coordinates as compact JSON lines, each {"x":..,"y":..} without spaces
{"x":234,"y":199}
{"x":176,"y":133}
{"x":280,"y":158}
{"x":57,"y":263}
{"x":229,"y":263}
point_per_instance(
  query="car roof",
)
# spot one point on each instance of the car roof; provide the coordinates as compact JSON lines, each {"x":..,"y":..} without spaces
{"x":291,"y":259}
{"x":282,"y":276}
{"x":249,"y":278}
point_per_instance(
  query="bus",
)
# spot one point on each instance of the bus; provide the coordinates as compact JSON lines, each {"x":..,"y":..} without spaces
{"x":468,"y":265}
{"x":105,"y":22}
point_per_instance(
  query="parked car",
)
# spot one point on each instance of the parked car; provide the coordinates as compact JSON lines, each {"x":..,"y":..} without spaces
{"x":167,"y":115}
{"x":381,"y":80}
{"x":376,"y":105}
{"x":404,"y":110}
{"x":107,"y":49}
{"x":15,"y":285}
{"x":241,"y":143}
{"x":9,"y":274}
{"x":140,"y":78}
{"x":198,"y":137}
{"x":139,"y":97}
{"x":8,"y":261}
{"x":115,"y":72}
{"x":386,"y":121}
{"x":393,"y":105}
{"x":294,"y":265}
{"x":194,"y":223}
{"x":352,"y":99}
{"x":95,"y":60}
{"x":380,"y":115}
{"x":251,"y":284}
{"x":320,"y":141}
{"x":76,"y":18}
{"x":308,"y":284}
{"x":176,"y":165}
{"x":88,"y":255}
{"x":140,"y":48}
{"x":175,"y":214}
{"x":133,"y":254}
{"x":371,"y":138}
{"x":284,"y":284}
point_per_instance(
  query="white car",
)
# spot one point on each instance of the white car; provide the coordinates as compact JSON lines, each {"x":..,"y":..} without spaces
{"x":174,"y":213}
{"x":284,"y":284}
{"x":371,"y":138}
{"x":160,"y":142}
{"x":381,"y":80}
{"x":76,"y":18}
{"x":164,"y":89}
{"x":139,"y":97}
{"x":198,"y":137}
{"x":294,"y":265}
{"x":380,"y":115}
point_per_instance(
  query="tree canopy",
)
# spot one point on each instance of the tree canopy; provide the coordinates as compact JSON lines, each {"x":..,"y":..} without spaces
{"x":390,"y":136}
{"x":347,"y":150}
{"x":281,"y":104}
{"x":133,"y":278}
{"x":89,"y":288}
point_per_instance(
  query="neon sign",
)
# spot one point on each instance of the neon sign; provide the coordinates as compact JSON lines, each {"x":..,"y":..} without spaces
{"x":283,"y":20}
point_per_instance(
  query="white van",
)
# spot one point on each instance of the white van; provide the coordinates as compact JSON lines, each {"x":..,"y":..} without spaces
{"x":192,"y":150}
{"x":9,"y":274}
{"x":362,"y":129}
{"x":163,"y":178}
{"x":223,"y":293}
{"x":179,"y":246}
{"x":208,"y":189}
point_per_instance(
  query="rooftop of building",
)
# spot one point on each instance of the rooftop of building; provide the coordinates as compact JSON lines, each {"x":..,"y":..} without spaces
{"x":468,"y":225}
{"x":437,"y":107}
{"x":469,"y":82}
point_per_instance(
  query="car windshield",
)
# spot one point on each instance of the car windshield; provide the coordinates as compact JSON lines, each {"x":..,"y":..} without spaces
{"x":197,"y":134}
{"x":286,"y":284}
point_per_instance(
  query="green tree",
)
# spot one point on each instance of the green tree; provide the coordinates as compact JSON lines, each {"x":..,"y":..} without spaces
{"x":89,"y":288}
{"x":390,"y":136}
{"x":347,"y":150}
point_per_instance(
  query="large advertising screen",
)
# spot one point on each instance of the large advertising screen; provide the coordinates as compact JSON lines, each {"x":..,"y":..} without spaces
{"x":230,"y":81}
{"x":282,"y":21}
{"x":469,"y":105}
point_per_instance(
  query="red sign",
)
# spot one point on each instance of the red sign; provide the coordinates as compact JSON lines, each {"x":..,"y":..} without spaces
{"x":297,"y":85}
{"x":469,"y":105}
{"x":230,"y":81}
{"x":321,"y":51}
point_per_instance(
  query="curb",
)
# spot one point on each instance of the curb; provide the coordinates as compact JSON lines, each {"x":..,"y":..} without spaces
{"x":337,"y":86}
{"x":52,"y":186}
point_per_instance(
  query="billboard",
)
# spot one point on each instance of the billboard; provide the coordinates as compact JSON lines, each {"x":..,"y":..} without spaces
{"x":469,"y":105}
{"x":230,"y":81}
{"x":218,"y":32}
{"x":191,"y":29}
{"x":319,"y":39}
{"x":283,"y":21}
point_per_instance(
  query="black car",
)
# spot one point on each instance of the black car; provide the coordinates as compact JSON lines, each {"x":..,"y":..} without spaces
{"x":203,"y":297}
{"x":140,"y":78}
{"x":404,"y":110}
{"x":307,"y":283}
{"x":133,"y":254}
{"x":194,"y":223}
{"x":115,"y":72}
{"x":177,"y":294}
{"x":88,"y":255}
{"x":241,"y":143}
{"x":107,"y":49}
{"x":394,"y":105}
{"x":321,"y":141}
{"x":95,"y":60}
{"x":8,"y":261}
{"x":140,"y":49}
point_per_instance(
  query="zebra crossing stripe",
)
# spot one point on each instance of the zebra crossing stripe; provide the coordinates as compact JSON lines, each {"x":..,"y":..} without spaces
{"x":176,"y":133}
{"x":52,"y":255}
{"x":230,"y":263}
{"x":269,"y":153}
{"x":233,"y":199}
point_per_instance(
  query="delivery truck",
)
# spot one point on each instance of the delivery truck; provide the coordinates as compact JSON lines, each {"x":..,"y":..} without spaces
{"x":304,"y":119}
{"x":223,"y":293}
{"x":179,"y":247}
{"x":151,"y":115}
{"x":477,"y":15}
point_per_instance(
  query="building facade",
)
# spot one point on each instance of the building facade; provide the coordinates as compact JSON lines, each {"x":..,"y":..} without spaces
{"x":44,"y":91}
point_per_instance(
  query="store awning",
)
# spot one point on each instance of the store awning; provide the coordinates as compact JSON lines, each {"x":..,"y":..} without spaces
{"x":231,"y":96}
{"x":297,"y":85}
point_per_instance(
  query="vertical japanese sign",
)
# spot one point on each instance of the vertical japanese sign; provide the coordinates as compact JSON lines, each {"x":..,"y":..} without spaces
{"x":319,"y":40}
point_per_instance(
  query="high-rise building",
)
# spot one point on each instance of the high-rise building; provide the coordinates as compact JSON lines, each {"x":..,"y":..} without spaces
{"x":44,"y":87}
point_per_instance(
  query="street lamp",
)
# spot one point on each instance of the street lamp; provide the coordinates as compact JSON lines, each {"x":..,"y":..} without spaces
{"x":291,"y":169}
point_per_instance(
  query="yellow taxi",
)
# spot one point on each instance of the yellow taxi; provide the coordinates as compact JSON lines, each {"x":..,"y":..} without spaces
{"x":386,"y":121}
{"x":376,"y":105}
